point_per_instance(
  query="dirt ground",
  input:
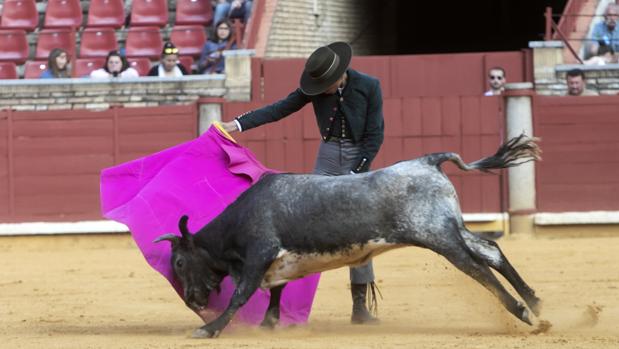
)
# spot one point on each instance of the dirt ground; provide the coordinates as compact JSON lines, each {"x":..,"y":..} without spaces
{"x":98,"y":292}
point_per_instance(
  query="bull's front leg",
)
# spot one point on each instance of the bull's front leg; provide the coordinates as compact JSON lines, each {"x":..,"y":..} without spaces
{"x":251,"y":277}
{"x":240,"y":296}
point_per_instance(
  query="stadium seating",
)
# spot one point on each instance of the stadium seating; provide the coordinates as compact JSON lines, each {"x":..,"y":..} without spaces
{"x":188,"y":39}
{"x":50,"y":39}
{"x":143,"y":42}
{"x":8,"y":70}
{"x":194,"y":12}
{"x":186,"y":62}
{"x":106,"y":13}
{"x":142,"y":65}
{"x":97,"y":42}
{"x":149,"y":13}
{"x":33,"y":69}
{"x":63,"y":14}
{"x":83,"y":66}
{"x":14,"y":46}
{"x":19,"y":14}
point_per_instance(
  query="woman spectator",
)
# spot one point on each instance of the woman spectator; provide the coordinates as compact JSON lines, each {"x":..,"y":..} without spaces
{"x":211,"y":60}
{"x":168,"y":67}
{"x":57,"y":65}
{"x":115,"y":66}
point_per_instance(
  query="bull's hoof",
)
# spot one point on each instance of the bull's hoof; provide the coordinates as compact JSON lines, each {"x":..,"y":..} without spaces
{"x":205,"y":332}
{"x":536,"y":305}
{"x":269,"y":322}
{"x":525,"y":317}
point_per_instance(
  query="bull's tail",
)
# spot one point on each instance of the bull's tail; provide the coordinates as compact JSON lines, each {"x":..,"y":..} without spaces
{"x":514,"y":152}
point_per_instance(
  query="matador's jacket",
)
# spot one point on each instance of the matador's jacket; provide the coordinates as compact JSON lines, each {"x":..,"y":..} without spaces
{"x":361,"y":104}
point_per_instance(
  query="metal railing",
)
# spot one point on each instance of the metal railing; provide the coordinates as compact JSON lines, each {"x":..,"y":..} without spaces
{"x":561,"y":26}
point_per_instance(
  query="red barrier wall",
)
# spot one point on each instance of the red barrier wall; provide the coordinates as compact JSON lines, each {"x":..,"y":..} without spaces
{"x":580,"y":143}
{"x":50,"y":161}
{"x":432,"y":103}
{"x":468,"y":125}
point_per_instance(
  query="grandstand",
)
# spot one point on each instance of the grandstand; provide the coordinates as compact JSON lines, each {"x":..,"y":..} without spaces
{"x":89,"y":29}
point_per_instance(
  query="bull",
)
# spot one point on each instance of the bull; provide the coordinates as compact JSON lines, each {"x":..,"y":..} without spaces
{"x":287,"y":226}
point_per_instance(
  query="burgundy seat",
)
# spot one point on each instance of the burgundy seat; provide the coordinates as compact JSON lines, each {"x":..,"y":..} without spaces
{"x":50,"y":39}
{"x":98,"y":42}
{"x":14,"y":45}
{"x":8,"y":70}
{"x":106,"y":13}
{"x":83,"y":66}
{"x":144,"y":42}
{"x":189,"y":39}
{"x":63,"y":14}
{"x":142,"y":65}
{"x":149,"y":12}
{"x":19,"y":14}
{"x":186,"y":62}
{"x":194,"y":12}
{"x":33,"y":69}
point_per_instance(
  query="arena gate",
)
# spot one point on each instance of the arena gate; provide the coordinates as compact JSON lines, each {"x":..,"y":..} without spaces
{"x":580,"y":143}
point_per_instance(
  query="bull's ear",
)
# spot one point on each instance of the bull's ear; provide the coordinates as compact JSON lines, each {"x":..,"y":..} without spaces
{"x":170,"y":237}
{"x":182,"y":226}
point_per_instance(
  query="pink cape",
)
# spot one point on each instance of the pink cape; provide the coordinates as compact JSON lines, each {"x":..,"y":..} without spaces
{"x":199,"y":178}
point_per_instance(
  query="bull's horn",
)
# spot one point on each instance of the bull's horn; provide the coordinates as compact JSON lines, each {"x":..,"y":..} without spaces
{"x":182,"y":226}
{"x":170,"y":237}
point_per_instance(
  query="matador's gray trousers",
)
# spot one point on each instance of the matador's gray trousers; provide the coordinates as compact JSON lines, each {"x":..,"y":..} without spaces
{"x":337,"y":157}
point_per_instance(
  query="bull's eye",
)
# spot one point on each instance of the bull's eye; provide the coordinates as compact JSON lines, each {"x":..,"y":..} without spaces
{"x":179,"y":263}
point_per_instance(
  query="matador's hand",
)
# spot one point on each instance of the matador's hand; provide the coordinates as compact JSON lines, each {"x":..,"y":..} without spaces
{"x":230,"y":126}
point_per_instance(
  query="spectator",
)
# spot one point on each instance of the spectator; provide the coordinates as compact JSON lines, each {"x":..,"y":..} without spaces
{"x":606,"y":32}
{"x":212,"y":60}
{"x":57,"y":65}
{"x":115,"y":66}
{"x":605,"y":55}
{"x":232,"y":9}
{"x":169,"y":66}
{"x":496,"y":80}
{"x":576,"y":84}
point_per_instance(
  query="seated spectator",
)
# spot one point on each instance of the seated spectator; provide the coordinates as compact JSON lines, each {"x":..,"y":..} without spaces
{"x":211,"y":59}
{"x":232,"y":9}
{"x":57,"y":65}
{"x":605,"y":55}
{"x":496,"y":80}
{"x":115,"y":66}
{"x":576,"y":84}
{"x":607,"y":32}
{"x":169,"y":66}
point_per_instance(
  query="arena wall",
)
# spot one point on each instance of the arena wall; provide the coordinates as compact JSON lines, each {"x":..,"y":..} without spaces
{"x":71,"y":129}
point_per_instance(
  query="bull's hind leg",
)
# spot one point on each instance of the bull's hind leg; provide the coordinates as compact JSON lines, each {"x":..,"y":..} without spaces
{"x":271,"y":317}
{"x":459,"y":256}
{"x":490,"y":252}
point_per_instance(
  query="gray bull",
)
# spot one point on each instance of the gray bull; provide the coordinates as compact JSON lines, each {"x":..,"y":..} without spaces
{"x":287,"y":226}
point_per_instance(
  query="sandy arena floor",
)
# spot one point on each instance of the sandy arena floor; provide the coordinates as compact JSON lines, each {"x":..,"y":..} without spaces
{"x":98,"y":292}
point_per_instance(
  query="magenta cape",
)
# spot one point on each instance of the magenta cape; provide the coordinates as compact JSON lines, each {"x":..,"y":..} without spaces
{"x":199,"y":178}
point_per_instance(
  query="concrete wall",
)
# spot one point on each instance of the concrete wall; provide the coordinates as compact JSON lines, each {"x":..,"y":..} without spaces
{"x":55,"y":94}
{"x":297,"y":27}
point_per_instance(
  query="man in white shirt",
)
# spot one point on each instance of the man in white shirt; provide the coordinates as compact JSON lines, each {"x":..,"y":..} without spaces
{"x":496,"y":80}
